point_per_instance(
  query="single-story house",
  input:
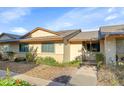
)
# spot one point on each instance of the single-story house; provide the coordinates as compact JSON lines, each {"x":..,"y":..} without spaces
{"x":68,"y":45}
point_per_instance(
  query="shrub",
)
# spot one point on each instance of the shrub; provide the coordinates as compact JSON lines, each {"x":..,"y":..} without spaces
{"x":31,"y":55}
{"x":52,"y":62}
{"x":46,"y":60}
{"x":99,"y":60}
{"x":13,"y":82}
{"x":10,"y":55}
{"x":39,"y":60}
{"x":49,"y":60}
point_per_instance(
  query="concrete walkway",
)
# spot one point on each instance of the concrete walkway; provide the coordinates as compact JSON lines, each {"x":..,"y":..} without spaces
{"x":85,"y":76}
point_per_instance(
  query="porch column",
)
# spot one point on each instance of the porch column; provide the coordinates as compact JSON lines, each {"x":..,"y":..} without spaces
{"x":110,"y":49}
{"x":66,"y":56}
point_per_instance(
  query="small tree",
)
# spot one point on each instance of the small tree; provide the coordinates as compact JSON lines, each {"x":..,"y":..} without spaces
{"x":31,"y":55}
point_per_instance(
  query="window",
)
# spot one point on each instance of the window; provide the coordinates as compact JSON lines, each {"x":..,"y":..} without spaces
{"x":23,"y":47}
{"x":49,"y":47}
{"x":93,"y":47}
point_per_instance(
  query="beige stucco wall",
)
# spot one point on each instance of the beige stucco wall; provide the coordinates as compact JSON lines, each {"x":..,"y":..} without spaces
{"x":75,"y":51}
{"x":40,"y":33}
{"x":58,"y":48}
{"x":110,"y":49}
{"x":58,"y":54}
{"x":4,"y":37}
{"x":66,"y":56}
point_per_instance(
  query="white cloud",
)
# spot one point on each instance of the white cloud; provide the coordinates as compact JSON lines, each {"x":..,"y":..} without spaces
{"x":81,"y":18}
{"x":73,"y":18}
{"x":111,"y":17}
{"x":111,"y":9}
{"x":13,"y":14}
{"x":19,"y":30}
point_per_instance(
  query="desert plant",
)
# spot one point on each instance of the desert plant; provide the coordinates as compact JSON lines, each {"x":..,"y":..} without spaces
{"x":99,"y":60}
{"x":10,"y":55}
{"x":31,"y":55}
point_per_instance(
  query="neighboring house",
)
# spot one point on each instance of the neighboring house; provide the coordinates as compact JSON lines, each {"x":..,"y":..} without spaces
{"x":68,"y":45}
{"x":5,"y":37}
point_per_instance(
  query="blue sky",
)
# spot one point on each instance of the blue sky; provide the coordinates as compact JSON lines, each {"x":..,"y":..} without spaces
{"x":23,"y":20}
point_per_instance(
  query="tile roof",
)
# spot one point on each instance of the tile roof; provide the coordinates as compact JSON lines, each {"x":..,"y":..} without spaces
{"x":86,"y":36}
{"x":112,"y":28}
{"x":65,"y":33}
{"x":11,"y":35}
{"x":42,"y":39}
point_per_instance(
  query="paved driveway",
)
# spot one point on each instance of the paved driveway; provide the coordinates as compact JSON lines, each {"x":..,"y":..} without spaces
{"x":85,"y":76}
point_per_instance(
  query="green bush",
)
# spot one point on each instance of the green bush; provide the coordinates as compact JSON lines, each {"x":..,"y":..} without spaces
{"x":52,"y":62}
{"x":13,"y":82}
{"x":39,"y":60}
{"x":47,"y":61}
{"x":99,"y":60}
